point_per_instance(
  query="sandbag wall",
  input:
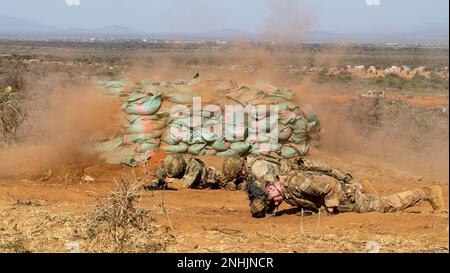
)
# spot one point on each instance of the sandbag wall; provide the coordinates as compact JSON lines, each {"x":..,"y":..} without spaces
{"x":149,"y":125}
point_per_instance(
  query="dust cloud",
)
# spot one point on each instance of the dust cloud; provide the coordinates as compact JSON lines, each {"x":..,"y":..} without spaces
{"x":58,"y":129}
{"x":401,"y":138}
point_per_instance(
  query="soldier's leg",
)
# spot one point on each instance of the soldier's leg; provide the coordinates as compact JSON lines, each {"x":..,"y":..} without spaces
{"x":399,"y":201}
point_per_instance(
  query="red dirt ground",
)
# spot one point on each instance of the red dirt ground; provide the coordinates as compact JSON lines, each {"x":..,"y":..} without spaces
{"x":219,"y":221}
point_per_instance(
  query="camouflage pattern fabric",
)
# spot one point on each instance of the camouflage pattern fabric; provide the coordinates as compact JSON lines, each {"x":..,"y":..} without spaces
{"x":353,"y":200}
{"x":302,"y":164}
{"x":262,"y":170}
{"x":195,"y":175}
{"x":311,"y":190}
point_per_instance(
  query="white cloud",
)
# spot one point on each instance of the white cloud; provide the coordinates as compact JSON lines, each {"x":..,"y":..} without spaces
{"x":373,"y":2}
{"x":72,"y":2}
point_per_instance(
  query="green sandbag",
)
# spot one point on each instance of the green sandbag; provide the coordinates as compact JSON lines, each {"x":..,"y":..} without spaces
{"x":299,"y":138}
{"x":196,"y":137}
{"x":288,"y":117}
{"x":240,"y":148}
{"x":113,"y":88}
{"x":180,"y":148}
{"x":299,"y":132}
{"x":169,"y":138}
{"x":302,"y":149}
{"x":284,"y":132}
{"x":265,"y":86}
{"x":220,"y":145}
{"x":148,"y":86}
{"x":118,"y":155}
{"x":185,"y":122}
{"x":144,"y":124}
{"x":265,"y":148}
{"x":208,"y":151}
{"x":108,"y":146}
{"x":288,"y":152}
{"x":137,"y":159}
{"x":136,"y":95}
{"x":285,"y":94}
{"x":144,"y":106}
{"x":226,"y":153}
{"x":176,"y":133}
{"x":149,"y":145}
{"x":287,"y":105}
{"x":196,"y":149}
{"x":208,"y":132}
{"x":180,"y":98}
{"x":132,"y":118}
{"x":256,"y":137}
{"x":234,"y":134}
{"x":300,"y":126}
{"x":234,"y":93}
{"x":141,"y":137}
{"x":312,"y":117}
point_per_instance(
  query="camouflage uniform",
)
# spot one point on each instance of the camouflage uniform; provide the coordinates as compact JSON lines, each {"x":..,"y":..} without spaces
{"x":311,"y":190}
{"x":257,"y":167}
{"x":311,"y":184}
{"x":268,"y":169}
{"x":195,"y":175}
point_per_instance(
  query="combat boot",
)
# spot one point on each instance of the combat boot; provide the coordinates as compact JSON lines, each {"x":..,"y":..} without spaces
{"x":434,"y":196}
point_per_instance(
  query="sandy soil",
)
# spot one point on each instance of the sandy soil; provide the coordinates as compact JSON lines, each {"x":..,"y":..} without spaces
{"x":219,"y":221}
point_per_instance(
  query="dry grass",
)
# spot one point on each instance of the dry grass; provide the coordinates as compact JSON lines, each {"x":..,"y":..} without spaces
{"x":118,"y":224}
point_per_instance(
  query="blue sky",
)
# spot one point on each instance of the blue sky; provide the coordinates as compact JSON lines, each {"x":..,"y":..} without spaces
{"x":254,"y":16}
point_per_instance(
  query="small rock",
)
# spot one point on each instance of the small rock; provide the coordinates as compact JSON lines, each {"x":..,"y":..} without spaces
{"x":87,"y":178}
{"x":73,"y":247}
{"x":373,"y":247}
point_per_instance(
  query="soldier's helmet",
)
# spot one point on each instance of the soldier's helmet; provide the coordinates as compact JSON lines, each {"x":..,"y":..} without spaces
{"x":174,"y":164}
{"x":231,"y":166}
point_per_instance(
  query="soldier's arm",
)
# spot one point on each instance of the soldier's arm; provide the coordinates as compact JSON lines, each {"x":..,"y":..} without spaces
{"x":318,"y":187}
{"x":315,"y":165}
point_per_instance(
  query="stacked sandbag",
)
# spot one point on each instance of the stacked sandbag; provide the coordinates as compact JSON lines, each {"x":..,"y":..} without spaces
{"x":153,"y":123}
{"x":142,"y":129}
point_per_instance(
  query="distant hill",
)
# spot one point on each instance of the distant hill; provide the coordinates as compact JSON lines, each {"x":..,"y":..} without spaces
{"x":12,"y":28}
